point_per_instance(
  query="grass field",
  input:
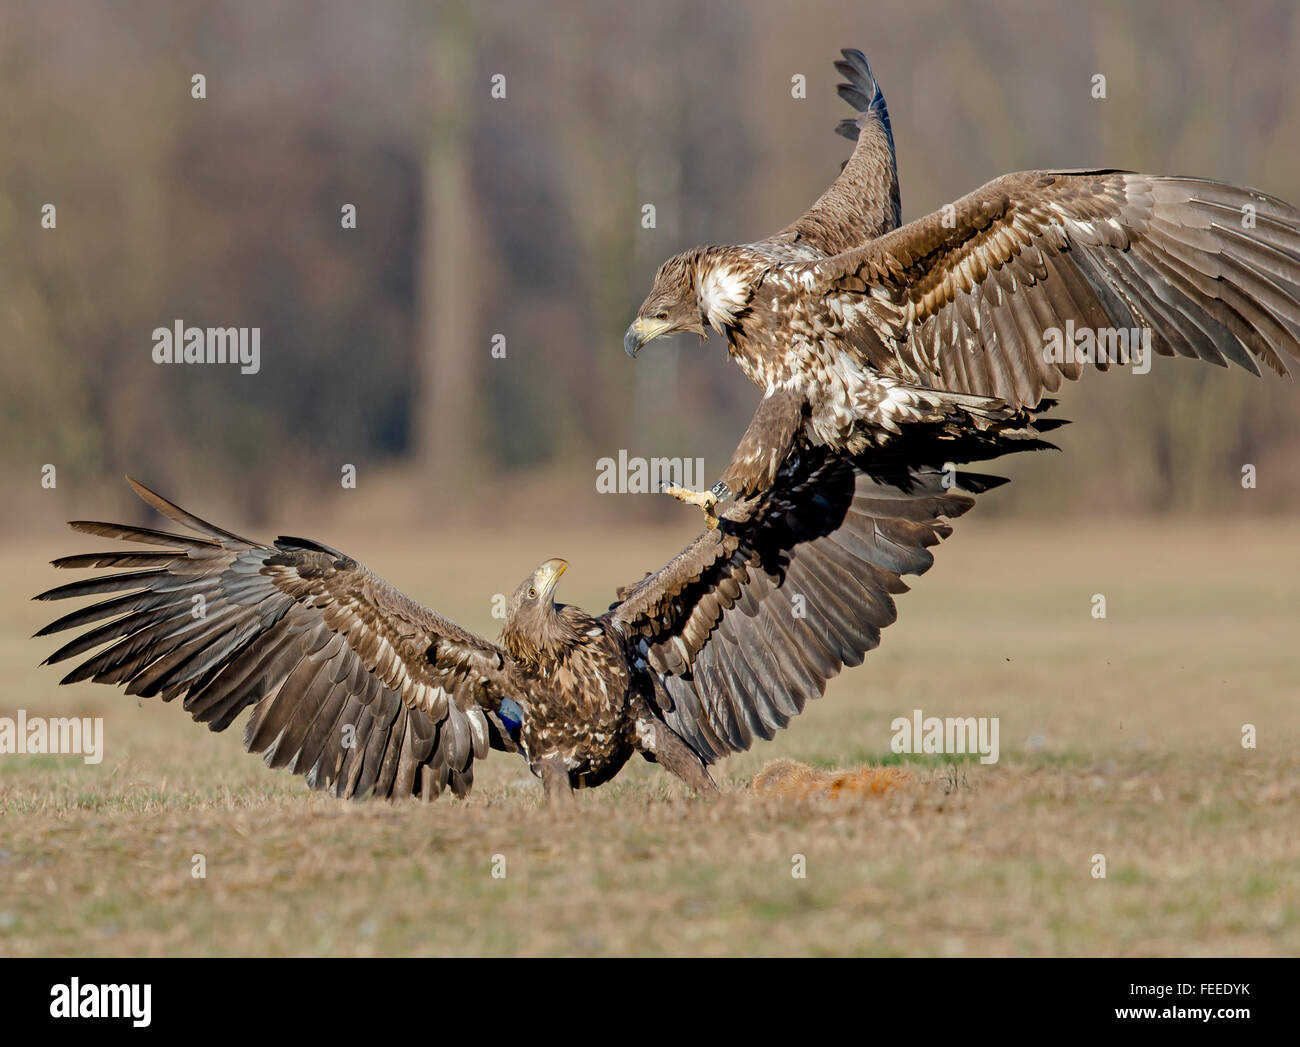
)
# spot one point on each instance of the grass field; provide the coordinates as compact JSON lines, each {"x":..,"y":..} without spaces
{"x":1119,"y":737}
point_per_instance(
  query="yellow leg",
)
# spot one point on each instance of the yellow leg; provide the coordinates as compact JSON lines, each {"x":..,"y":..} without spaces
{"x":706,"y":500}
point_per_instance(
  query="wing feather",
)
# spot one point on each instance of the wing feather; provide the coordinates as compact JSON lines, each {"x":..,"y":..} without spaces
{"x":863,"y":202}
{"x":749,"y":622}
{"x":1211,"y":271}
{"x":352,"y":683}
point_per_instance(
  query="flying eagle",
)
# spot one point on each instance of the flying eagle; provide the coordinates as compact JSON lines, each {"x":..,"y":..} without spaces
{"x":970,"y":316}
{"x":366,"y":692}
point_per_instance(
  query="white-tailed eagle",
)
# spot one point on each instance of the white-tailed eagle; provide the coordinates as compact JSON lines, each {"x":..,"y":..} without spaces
{"x":968,"y":317}
{"x":366,"y":692}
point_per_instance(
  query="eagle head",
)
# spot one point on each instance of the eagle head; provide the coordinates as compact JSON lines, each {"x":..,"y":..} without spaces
{"x":535,"y":628}
{"x":708,"y":286}
{"x":671,"y":306}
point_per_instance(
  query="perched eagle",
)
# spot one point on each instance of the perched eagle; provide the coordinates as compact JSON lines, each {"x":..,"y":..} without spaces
{"x":365,"y":691}
{"x":969,"y":316}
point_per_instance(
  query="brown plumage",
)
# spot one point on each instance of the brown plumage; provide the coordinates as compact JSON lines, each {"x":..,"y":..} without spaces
{"x":968,"y":317}
{"x":364,"y":691}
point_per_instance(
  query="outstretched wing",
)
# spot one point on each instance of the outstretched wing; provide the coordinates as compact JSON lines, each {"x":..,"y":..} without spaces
{"x":976,"y":297}
{"x":863,"y":202}
{"x":750,"y":621}
{"x":353,"y":684}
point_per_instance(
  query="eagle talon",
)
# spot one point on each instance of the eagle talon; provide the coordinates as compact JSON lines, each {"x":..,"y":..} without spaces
{"x":706,"y":500}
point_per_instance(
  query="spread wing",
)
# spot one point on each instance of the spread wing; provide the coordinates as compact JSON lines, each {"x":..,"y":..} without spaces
{"x":750,"y":621}
{"x":863,"y":202}
{"x":353,"y":684}
{"x":968,"y":296}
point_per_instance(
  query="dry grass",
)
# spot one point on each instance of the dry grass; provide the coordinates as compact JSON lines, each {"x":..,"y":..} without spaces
{"x":1119,"y":737}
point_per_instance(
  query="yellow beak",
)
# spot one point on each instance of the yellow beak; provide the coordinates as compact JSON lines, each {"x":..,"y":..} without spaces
{"x":643,"y":329}
{"x":548,"y":574}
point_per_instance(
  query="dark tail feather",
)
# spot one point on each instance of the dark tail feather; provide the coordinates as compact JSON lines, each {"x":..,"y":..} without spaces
{"x":150,"y":559}
{"x":863,"y":93}
{"x":110,"y":583}
{"x":944,"y":445}
{"x":978,"y":483}
{"x":143,"y":535}
{"x":175,"y":512}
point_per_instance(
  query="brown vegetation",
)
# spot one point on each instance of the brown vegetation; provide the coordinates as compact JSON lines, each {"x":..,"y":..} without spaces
{"x":790,"y":778}
{"x":522,"y":217}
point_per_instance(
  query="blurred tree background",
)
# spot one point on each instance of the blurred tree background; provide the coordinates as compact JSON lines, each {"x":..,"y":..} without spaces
{"x":521,"y":216}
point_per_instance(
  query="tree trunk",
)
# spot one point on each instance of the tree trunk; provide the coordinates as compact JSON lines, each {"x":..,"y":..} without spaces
{"x":446,"y":422}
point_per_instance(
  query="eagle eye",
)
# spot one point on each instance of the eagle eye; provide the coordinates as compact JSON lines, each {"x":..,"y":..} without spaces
{"x":661,"y":316}
{"x":532,"y":593}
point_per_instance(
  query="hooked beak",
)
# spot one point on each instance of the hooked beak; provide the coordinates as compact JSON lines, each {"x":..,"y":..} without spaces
{"x":642,"y":330}
{"x":548,"y":575}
